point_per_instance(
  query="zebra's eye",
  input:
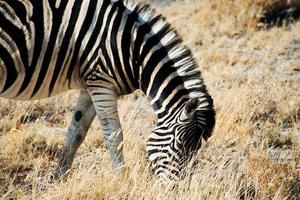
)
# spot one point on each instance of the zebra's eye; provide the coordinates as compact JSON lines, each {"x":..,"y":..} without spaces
{"x":191,"y":106}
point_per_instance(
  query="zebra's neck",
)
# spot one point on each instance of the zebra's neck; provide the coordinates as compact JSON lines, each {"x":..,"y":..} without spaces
{"x":169,"y":75}
{"x":139,"y":50}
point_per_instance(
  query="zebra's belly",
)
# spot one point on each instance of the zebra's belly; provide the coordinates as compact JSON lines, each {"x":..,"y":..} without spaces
{"x":15,"y":91}
{"x":28,"y":97}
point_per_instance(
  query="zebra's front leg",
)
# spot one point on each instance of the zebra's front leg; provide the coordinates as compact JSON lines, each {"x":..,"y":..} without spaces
{"x":82,"y":118}
{"x":105,"y":103}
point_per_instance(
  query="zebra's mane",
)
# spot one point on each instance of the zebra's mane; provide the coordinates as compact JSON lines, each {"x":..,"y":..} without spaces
{"x":184,"y":62}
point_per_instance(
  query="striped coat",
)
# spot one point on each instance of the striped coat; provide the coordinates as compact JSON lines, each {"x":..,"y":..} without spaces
{"x":105,"y":49}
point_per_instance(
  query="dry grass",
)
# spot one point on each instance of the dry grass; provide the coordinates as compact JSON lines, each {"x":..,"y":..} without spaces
{"x":254,"y":153}
{"x":240,"y":15}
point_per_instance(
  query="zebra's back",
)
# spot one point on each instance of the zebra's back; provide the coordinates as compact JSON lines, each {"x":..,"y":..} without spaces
{"x":40,"y":44}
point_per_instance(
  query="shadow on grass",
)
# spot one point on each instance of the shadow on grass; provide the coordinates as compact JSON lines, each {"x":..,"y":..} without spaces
{"x":281,"y":15}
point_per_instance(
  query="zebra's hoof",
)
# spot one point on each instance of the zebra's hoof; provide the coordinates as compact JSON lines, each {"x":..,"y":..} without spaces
{"x":54,"y":176}
{"x":57,"y":175}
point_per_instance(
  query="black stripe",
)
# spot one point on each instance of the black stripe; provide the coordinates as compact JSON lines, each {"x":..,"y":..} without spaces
{"x":58,"y":14}
{"x":19,"y":9}
{"x":103,"y":42}
{"x":96,"y":78}
{"x":100,"y":93}
{"x":170,"y":87}
{"x":38,"y":21}
{"x":163,"y":128}
{"x":161,"y":75}
{"x":176,"y":98}
{"x":114,"y":45}
{"x":10,"y":67}
{"x":125,"y":46}
{"x":103,"y":100}
{"x":66,"y":41}
{"x":89,"y":63}
{"x":141,"y":33}
{"x":164,"y":139}
{"x":85,"y":27}
{"x":7,"y":10}
{"x":94,"y":35}
{"x":159,"y":150}
{"x":17,"y":36}
{"x":137,"y":58}
{"x":154,"y":40}
{"x":100,"y":63}
{"x":176,"y":109}
{"x":165,"y":70}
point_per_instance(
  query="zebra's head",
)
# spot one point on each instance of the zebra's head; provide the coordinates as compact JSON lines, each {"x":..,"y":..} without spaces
{"x":172,"y":144}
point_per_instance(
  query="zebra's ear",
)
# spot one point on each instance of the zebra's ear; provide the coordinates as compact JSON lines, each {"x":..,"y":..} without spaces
{"x":191,"y":106}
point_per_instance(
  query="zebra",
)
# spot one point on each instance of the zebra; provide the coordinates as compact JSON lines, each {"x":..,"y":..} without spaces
{"x":106,"y":49}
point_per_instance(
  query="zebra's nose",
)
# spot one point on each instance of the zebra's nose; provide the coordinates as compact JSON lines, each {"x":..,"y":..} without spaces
{"x":168,"y":177}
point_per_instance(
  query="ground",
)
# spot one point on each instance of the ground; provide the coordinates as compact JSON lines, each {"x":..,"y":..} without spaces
{"x":253,"y":73}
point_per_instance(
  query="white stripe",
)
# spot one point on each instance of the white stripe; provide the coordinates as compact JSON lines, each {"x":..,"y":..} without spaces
{"x":47,"y":30}
{"x":3,"y":74}
{"x":97,"y":42}
{"x":110,"y":50}
{"x":16,"y":57}
{"x":163,"y":86}
{"x":119,"y":44}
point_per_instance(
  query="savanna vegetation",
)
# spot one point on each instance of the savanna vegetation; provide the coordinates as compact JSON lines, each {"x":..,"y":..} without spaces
{"x":249,"y":53}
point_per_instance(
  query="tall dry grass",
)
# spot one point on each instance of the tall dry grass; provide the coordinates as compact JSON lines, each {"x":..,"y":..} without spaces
{"x":254,"y":152}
